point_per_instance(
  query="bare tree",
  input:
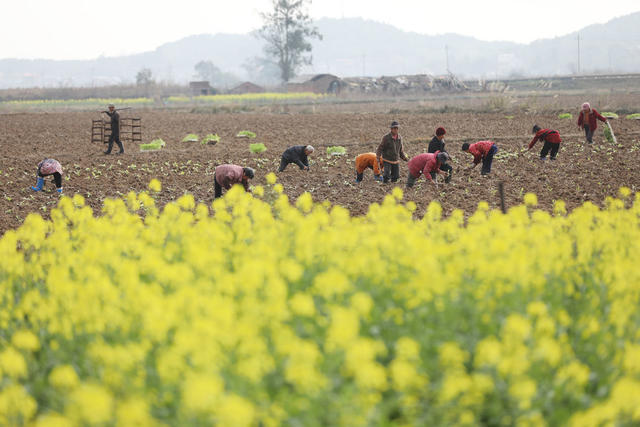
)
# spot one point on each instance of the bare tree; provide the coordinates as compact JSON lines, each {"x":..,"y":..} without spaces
{"x":144,"y":77}
{"x":287,"y":30}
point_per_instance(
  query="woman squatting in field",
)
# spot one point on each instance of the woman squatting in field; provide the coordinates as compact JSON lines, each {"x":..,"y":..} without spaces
{"x":49,"y":167}
{"x":551,"y":140}
{"x":588,"y":119}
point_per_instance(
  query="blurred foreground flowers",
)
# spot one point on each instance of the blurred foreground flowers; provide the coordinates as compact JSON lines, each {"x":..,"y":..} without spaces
{"x":256,"y":313}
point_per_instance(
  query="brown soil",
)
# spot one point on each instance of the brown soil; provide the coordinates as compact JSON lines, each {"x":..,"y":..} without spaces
{"x":581,"y":172}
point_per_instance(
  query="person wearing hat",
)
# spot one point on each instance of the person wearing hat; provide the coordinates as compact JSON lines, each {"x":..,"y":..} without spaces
{"x":389,"y":153}
{"x":297,"y":154}
{"x":115,"y":129}
{"x":437,"y":144}
{"x":551,"y":140}
{"x":427,"y":164}
{"x":481,"y":150}
{"x":370,"y":161}
{"x":49,"y":167}
{"x":226,"y":176}
{"x":588,"y":120}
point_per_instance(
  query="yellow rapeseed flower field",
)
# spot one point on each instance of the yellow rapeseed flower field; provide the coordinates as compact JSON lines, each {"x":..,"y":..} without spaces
{"x":255,"y":312}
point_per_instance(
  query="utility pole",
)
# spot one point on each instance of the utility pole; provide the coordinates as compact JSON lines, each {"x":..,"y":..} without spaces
{"x":446,"y":51}
{"x":578,"y":53}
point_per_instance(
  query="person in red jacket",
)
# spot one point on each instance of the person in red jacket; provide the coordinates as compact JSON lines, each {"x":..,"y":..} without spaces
{"x":551,"y":140}
{"x":368,"y":160}
{"x":225,"y":176}
{"x":588,"y":120}
{"x":481,"y":150}
{"x":426,"y":164}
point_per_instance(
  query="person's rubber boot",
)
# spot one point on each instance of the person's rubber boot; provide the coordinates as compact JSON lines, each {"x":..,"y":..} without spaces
{"x":39,"y":184}
{"x":378,"y":178}
{"x":59,"y":190}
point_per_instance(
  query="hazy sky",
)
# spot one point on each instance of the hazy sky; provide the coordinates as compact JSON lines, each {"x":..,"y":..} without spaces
{"x":83,"y":29}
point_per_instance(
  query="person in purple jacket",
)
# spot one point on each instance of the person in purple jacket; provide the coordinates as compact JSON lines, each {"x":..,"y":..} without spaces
{"x":226,"y":176}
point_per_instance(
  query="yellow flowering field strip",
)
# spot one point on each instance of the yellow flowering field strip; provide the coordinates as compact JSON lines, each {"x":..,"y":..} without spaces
{"x":256,"y":312}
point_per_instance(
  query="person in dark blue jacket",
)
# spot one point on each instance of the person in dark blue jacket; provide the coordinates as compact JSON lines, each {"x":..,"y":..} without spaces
{"x":437,"y":144}
{"x":298,"y":155}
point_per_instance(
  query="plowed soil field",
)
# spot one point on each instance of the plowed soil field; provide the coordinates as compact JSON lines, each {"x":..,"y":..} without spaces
{"x":582,"y":172}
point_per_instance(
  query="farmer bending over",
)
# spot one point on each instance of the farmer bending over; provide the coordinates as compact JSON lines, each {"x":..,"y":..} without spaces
{"x":367,"y":160}
{"x":481,"y":150}
{"x":437,"y":144}
{"x":225,"y":176}
{"x":389,"y":153}
{"x":298,"y":155}
{"x":427,"y":164}
{"x":588,"y":120}
{"x":551,"y":140}
{"x":49,"y":167}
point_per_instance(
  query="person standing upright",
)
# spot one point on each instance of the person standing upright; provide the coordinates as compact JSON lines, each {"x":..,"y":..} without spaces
{"x":389,"y":153}
{"x":115,"y":129}
{"x":437,"y":144}
{"x":588,"y":120}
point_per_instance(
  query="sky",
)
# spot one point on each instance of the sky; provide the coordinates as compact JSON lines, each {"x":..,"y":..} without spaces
{"x":87,"y":29}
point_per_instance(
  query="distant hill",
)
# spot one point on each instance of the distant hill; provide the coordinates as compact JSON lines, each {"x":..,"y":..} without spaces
{"x":355,"y":47}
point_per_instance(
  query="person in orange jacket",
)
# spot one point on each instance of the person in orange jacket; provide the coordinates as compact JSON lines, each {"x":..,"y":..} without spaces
{"x":368,"y":160}
{"x":588,"y":120}
{"x":482,"y":151}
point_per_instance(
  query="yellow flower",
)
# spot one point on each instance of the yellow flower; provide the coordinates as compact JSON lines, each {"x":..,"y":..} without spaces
{"x":305,"y":202}
{"x":16,"y":405}
{"x":63,"y":376}
{"x":523,"y":390}
{"x":362,"y":303}
{"x":53,"y":420}
{"x":90,"y":403}
{"x":25,"y":340}
{"x":155,"y":185}
{"x":624,"y":192}
{"x":530,"y":199}
{"x":235,"y":411}
{"x":271,"y":178}
{"x":302,"y":304}
{"x":12,"y":363}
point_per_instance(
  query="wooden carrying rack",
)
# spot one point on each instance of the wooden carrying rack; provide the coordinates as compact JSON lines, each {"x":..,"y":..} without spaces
{"x":130,"y":130}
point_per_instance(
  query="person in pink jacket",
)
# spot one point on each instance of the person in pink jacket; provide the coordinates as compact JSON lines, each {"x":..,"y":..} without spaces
{"x":225,"y":176}
{"x":588,"y":120}
{"x":49,"y":167}
{"x":482,"y":151}
{"x":427,"y":164}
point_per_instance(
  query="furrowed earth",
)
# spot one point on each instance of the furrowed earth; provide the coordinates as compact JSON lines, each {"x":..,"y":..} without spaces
{"x":581,"y":173}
